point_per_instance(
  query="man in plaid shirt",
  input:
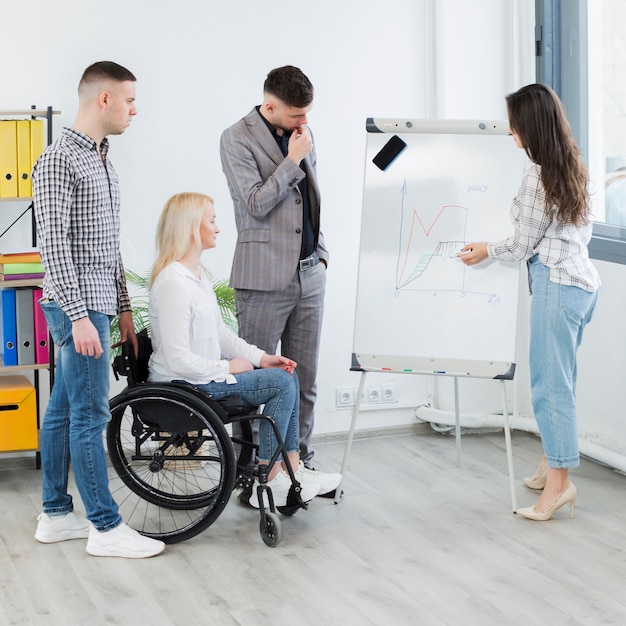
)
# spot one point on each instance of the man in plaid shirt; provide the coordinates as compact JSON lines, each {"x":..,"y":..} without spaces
{"x":77,"y":203}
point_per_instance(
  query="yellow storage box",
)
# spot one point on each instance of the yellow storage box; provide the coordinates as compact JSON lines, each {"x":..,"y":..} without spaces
{"x":18,"y":414}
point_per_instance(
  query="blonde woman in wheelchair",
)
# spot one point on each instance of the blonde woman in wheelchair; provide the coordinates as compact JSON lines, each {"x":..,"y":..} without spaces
{"x":192,"y":343}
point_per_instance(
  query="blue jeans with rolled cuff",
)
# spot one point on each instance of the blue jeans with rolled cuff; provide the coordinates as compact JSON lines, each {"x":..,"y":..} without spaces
{"x":558,"y":316}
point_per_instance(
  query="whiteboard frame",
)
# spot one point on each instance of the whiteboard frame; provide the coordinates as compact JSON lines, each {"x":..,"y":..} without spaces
{"x":462,"y":368}
{"x":365,"y":362}
{"x":439,"y":127}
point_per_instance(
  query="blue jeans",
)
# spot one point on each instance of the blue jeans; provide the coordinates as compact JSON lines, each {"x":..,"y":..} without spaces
{"x":279,"y":392}
{"x":77,"y":414}
{"x":558,"y":315}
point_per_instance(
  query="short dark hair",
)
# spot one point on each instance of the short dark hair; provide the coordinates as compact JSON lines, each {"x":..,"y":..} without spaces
{"x":106,"y":70}
{"x":290,"y":85}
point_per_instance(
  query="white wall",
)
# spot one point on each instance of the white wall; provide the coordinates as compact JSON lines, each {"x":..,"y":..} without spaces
{"x":602,"y":365}
{"x":200,"y":67}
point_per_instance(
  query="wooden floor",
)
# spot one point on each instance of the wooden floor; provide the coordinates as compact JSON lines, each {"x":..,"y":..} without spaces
{"x":415,"y":540}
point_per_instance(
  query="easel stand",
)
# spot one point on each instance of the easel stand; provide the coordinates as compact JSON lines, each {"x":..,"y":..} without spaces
{"x":457,"y":415}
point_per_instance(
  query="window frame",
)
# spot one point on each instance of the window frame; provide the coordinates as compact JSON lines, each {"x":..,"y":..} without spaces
{"x":561,"y":38}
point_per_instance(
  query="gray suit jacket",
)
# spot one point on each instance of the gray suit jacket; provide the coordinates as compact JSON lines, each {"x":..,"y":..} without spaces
{"x":268,"y":205}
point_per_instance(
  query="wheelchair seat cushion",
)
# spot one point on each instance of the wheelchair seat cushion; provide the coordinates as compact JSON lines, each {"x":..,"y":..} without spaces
{"x":226,"y":408}
{"x":234,"y":406}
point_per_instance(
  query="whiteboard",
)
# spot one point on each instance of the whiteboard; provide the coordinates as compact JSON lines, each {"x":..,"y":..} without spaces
{"x":419,"y":309}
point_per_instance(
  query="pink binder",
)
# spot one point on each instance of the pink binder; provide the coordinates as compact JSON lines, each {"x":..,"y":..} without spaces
{"x":42,"y":354}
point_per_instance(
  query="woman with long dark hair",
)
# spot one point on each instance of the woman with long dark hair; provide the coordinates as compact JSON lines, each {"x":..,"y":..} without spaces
{"x":551,"y":218}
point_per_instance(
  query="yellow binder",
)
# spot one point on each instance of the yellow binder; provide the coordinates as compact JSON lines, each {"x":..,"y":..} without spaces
{"x":37,"y":142}
{"x":8,"y":159}
{"x":24,"y":186}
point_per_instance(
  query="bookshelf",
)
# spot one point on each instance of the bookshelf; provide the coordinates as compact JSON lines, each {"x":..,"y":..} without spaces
{"x":34,"y":368}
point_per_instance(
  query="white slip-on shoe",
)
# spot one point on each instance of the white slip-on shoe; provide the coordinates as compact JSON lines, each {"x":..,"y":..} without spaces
{"x":122,"y":541}
{"x":280,"y":485}
{"x":328,"y":482}
{"x":53,"y":528}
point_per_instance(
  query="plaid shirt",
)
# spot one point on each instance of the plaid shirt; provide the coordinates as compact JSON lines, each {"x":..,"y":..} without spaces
{"x":561,"y":247}
{"x":77,"y":203}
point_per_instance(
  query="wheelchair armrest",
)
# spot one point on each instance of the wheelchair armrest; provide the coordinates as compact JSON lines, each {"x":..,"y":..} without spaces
{"x":134,"y":368}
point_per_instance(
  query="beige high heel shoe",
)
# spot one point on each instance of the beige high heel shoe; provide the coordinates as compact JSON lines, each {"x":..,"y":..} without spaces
{"x":567,"y":495}
{"x":538,"y":481}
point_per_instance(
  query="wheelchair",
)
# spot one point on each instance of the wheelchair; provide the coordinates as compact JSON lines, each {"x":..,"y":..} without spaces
{"x":174,"y":463}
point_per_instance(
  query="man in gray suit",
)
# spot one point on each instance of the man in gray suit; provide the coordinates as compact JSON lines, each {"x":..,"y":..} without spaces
{"x":279,"y":267}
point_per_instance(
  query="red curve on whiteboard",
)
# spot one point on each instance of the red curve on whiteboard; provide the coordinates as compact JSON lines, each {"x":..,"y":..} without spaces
{"x":427,"y":231}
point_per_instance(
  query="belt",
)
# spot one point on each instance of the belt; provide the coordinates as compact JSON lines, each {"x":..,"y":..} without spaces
{"x":309,"y":262}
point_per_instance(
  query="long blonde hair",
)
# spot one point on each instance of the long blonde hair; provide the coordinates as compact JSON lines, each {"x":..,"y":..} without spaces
{"x":179,"y":222}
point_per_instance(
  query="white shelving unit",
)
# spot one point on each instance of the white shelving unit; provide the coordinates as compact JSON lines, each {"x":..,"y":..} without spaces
{"x":48,"y":114}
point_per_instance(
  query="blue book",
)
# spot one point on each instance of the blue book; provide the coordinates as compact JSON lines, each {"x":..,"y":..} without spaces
{"x":9,"y":327}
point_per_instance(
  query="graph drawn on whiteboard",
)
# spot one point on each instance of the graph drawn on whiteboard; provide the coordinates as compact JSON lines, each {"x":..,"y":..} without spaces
{"x":428,"y":258}
{"x":417,"y":303}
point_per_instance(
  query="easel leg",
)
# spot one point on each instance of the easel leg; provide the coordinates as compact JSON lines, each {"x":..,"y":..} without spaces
{"x":457,"y":420}
{"x":509,"y":451}
{"x":346,"y":452}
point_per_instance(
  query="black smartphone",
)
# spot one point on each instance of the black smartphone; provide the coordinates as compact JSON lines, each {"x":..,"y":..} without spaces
{"x":389,"y":152}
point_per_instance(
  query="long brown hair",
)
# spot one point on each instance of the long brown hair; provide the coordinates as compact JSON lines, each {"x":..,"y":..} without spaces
{"x":537,"y":116}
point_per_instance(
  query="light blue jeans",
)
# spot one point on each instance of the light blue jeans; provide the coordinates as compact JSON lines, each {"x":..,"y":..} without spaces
{"x":558,"y":315}
{"x":77,"y":413}
{"x":279,"y":391}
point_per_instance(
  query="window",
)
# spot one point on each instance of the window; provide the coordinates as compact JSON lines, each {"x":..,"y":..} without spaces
{"x":607,"y":52}
{"x":581,"y":53}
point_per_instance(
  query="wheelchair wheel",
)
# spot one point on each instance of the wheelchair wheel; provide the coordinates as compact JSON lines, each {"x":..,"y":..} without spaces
{"x":271,"y":529}
{"x":173,"y":461}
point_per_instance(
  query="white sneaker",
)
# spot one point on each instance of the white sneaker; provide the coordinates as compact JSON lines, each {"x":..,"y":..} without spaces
{"x":327,"y":482}
{"x":280,"y":485}
{"x":51,"y":529}
{"x":124,"y":542}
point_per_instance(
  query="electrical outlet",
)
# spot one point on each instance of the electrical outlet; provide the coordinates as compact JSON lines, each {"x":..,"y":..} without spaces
{"x":389,"y":393}
{"x":345,"y":396}
{"x":374,"y":394}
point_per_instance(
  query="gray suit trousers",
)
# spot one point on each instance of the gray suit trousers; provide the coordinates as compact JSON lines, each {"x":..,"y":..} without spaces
{"x":292,"y":317}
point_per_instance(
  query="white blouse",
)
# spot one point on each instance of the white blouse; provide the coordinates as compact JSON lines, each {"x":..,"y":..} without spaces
{"x":190,"y":340}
